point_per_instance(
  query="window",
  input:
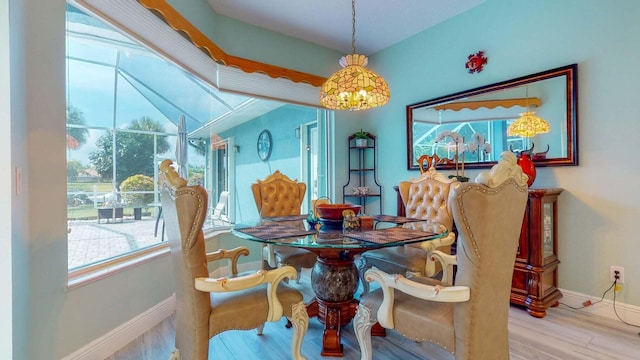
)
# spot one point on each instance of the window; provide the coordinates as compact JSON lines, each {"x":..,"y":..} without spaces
{"x":490,"y":130}
{"x":124,"y":103}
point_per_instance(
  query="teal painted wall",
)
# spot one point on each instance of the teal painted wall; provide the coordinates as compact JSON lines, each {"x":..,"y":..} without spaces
{"x":597,"y":211}
{"x":251,"y":42}
{"x":200,"y":14}
{"x":48,"y":320}
{"x":285,"y":153}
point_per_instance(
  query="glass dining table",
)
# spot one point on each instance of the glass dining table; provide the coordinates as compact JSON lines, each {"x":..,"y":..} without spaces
{"x":334,"y":277}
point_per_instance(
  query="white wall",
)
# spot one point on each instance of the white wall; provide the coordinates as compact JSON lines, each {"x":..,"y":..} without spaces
{"x":599,"y":208}
{"x":17,"y":129}
{"x":6,"y":301}
{"x":47,"y":320}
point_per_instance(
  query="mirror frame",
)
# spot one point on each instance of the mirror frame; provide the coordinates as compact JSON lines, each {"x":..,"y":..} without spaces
{"x":571,"y":73}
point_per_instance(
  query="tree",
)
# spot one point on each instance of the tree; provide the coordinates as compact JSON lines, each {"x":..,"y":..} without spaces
{"x":137,"y":182}
{"x":74,"y":168}
{"x":80,"y":135}
{"x":134,"y":150}
{"x":200,"y":145}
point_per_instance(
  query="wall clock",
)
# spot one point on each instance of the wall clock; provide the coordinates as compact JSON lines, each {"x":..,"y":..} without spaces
{"x":264,"y":145}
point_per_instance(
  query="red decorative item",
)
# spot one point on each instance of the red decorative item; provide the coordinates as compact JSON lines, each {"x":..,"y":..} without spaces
{"x":476,"y":62}
{"x":525,"y":161}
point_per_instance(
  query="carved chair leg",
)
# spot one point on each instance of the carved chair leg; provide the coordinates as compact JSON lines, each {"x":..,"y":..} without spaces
{"x":300,"y":321}
{"x":299,"y":271}
{"x":362,"y":327}
{"x":361,"y":270}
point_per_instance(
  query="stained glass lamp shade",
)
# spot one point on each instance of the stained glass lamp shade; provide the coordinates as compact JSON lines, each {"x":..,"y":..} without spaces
{"x":354,"y":87}
{"x":528,"y":125}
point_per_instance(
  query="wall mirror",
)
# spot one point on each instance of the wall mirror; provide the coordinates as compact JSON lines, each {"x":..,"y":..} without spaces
{"x":482,"y":115}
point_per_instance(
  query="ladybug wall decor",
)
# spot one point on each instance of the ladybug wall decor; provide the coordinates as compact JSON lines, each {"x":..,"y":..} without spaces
{"x":476,"y":62}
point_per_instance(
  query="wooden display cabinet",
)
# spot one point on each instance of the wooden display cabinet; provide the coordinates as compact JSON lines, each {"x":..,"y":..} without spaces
{"x":535,"y":273}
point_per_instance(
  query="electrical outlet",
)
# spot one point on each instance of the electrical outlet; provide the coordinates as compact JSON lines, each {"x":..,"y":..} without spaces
{"x":612,"y":274}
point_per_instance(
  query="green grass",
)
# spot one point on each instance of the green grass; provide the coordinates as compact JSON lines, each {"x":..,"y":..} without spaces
{"x":88,"y":187}
{"x":88,"y":211}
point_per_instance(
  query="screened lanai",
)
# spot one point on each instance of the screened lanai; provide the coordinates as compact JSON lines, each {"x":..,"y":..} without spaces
{"x":113,"y":80}
{"x":124,"y":102}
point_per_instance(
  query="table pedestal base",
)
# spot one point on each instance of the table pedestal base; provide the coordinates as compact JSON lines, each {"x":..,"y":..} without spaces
{"x":334,"y":281}
{"x":334,"y":316}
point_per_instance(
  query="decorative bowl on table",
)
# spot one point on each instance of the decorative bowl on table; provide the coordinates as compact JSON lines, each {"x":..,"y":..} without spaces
{"x":334,"y":211}
{"x":330,"y":215}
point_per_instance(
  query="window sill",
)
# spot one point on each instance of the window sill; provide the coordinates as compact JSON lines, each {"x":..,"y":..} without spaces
{"x":216,"y":230}
{"x":87,"y":275}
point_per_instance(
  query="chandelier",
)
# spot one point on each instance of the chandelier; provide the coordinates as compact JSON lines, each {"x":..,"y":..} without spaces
{"x":354,"y":87}
{"x":528,"y":124}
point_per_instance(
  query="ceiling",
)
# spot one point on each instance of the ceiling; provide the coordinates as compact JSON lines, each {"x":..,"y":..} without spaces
{"x":379,"y":23}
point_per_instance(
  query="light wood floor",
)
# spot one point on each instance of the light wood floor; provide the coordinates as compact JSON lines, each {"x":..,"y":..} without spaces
{"x":564,"y":334}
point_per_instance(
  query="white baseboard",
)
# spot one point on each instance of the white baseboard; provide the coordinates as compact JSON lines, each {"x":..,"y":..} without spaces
{"x":119,"y":337}
{"x":122,"y":335}
{"x":629,"y":313}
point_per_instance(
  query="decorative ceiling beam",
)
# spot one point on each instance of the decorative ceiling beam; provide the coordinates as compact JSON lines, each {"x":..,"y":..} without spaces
{"x":179,"y":23}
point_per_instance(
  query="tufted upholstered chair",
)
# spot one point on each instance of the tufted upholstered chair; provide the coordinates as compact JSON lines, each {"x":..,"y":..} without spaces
{"x":426,"y":198}
{"x":277,"y":195}
{"x":205,"y":306}
{"x":470,"y":318}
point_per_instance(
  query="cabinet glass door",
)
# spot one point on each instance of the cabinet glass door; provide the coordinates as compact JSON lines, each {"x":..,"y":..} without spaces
{"x":547,"y":230}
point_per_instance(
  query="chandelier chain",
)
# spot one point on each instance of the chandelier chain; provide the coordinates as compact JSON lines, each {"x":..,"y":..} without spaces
{"x":354,"y":87}
{"x":353,"y":26}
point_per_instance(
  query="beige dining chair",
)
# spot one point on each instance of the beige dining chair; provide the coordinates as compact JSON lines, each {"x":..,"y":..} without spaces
{"x":425,"y":198}
{"x":468,"y":319}
{"x":208,"y":306}
{"x":276,"y":196}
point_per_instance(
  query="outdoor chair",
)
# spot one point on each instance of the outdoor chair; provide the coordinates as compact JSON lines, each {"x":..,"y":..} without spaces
{"x":219,"y":218}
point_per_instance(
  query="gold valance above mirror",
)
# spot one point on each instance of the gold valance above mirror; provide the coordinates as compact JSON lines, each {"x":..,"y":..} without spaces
{"x":488,"y":104}
{"x":486,"y":112}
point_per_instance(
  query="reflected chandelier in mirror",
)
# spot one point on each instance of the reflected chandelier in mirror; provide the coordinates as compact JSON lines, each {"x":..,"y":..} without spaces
{"x":482,"y":115}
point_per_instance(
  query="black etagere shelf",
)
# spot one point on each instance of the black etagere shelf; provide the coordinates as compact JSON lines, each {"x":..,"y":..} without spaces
{"x":362,"y":174}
